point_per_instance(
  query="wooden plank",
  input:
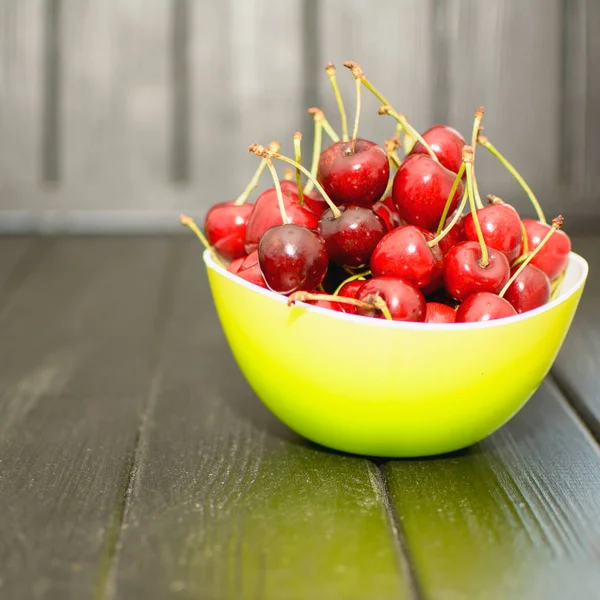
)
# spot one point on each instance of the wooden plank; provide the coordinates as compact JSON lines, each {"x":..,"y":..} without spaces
{"x":247,"y":86}
{"x":21,"y":93}
{"x":578,"y":364}
{"x":513,"y":517}
{"x":392,"y":43}
{"x":76,"y":364}
{"x":228,"y":503}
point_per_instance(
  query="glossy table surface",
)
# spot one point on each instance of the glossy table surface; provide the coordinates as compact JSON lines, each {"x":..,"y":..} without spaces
{"x":135,"y":462}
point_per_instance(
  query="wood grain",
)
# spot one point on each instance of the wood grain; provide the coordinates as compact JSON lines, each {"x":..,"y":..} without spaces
{"x":228,"y":503}
{"x":76,"y":364}
{"x":577,"y":366}
{"x":513,"y":517}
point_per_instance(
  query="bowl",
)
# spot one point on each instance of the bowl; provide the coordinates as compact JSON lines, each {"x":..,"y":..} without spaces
{"x":390,"y":389}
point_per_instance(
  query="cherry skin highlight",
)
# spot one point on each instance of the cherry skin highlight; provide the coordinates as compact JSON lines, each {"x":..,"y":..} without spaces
{"x":501,"y":228}
{"x":351,"y":238}
{"x":292,"y":258}
{"x":358,"y":177}
{"x":530,"y":290}
{"x":464,"y":275}
{"x":405,"y":302}
{"x":484,"y":306}
{"x":420,"y":190}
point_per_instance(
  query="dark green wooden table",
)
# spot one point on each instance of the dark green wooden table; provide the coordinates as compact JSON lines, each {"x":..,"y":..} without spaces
{"x":135,"y":462}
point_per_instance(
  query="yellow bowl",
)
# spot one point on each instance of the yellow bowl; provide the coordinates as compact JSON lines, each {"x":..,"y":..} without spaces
{"x":380,"y":388}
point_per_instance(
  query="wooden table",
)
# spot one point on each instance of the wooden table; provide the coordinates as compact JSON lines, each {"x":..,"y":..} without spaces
{"x":135,"y":462}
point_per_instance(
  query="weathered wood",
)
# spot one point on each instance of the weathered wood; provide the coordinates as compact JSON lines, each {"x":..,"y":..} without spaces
{"x":578,"y":364}
{"x":228,"y":503}
{"x":516,"y":516}
{"x":76,"y":365}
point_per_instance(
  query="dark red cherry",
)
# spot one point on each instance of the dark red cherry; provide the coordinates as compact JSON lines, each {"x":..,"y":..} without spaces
{"x":405,"y":254}
{"x":446,"y":142}
{"x":351,"y":237}
{"x":554,"y":256}
{"x":358,"y":177}
{"x":235,"y":264}
{"x":464,"y":275}
{"x":420,"y":190}
{"x":439,"y":313}
{"x":266,"y":214}
{"x":225,"y":227}
{"x":349,"y":290}
{"x":250,"y":270}
{"x":530,"y":290}
{"x":292,"y":258}
{"x":501,"y":228}
{"x":454,"y":236}
{"x":313,"y":200}
{"x":405,"y":302}
{"x":483,"y":306}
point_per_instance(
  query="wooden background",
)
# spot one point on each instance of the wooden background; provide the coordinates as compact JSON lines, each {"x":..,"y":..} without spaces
{"x":119,"y":114}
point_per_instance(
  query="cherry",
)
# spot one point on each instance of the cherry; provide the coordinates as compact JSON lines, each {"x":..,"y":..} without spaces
{"x":389,"y":202}
{"x":464,"y":274}
{"x":454,"y":236}
{"x":358,"y":176}
{"x":446,"y":142}
{"x":420,"y":190}
{"x":352,"y":236}
{"x":529,"y":290}
{"x":501,"y":228}
{"x":484,"y":306}
{"x":554,"y":256}
{"x":292,"y":258}
{"x":349,"y":290}
{"x":267,"y":214}
{"x":225,"y":227}
{"x":383,"y":210}
{"x":436,"y":312}
{"x":405,"y":254}
{"x":250,"y":270}
{"x":312,"y":199}
{"x":404,"y":302}
{"x":235,"y":264}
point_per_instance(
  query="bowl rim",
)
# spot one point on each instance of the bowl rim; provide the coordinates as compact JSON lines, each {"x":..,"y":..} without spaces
{"x":563,"y":296}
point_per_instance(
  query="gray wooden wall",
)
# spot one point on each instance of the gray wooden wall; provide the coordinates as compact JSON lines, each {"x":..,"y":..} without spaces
{"x":119,"y":114}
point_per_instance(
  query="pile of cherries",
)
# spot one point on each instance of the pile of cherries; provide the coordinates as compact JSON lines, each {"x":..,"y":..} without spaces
{"x":356,"y":237}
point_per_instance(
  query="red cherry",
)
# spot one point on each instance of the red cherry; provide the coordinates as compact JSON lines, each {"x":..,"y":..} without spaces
{"x":446,"y":142}
{"x":292,"y":258}
{"x":404,"y":301}
{"x":349,"y":290}
{"x":531,"y":289}
{"x":267,"y":214}
{"x":351,"y":237}
{"x":554,"y":256}
{"x":358,"y":177}
{"x":484,"y":306}
{"x":405,"y":254}
{"x":235,"y":264}
{"x":439,"y":313}
{"x":383,"y":210}
{"x":313,"y":199}
{"x":250,"y":270}
{"x":501,"y":228}
{"x":225,"y":227}
{"x":464,"y":275}
{"x":454,"y":236}
{"x":421,"y":188}
{"x":389,"y":202}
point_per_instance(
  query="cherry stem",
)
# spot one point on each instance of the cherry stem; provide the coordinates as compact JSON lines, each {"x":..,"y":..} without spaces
{"x":390,"y":146}
{"x":253,"y":183}
{"x":305,"y":296}
{"x":483,"y":141}
{"x":450,"y":198}
{"x":408,"y":129}
{"x":357,"y":74}
{"x":453,"y":222}
{"x":284,"y":216}
{"x":262,"y":151}
{"x":485,"y":257}
{"x":374,"y":90}
{"x":556,"y":224}
{"x":330,"y":70}
{"x":191,"y":224}
{"x":298,"y":157}
{"x":556,"y":284}
{"x":379,"y":303}
{"x":474,"y":135}
{"x":318,"y":117}
{"x":351,"y":278}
